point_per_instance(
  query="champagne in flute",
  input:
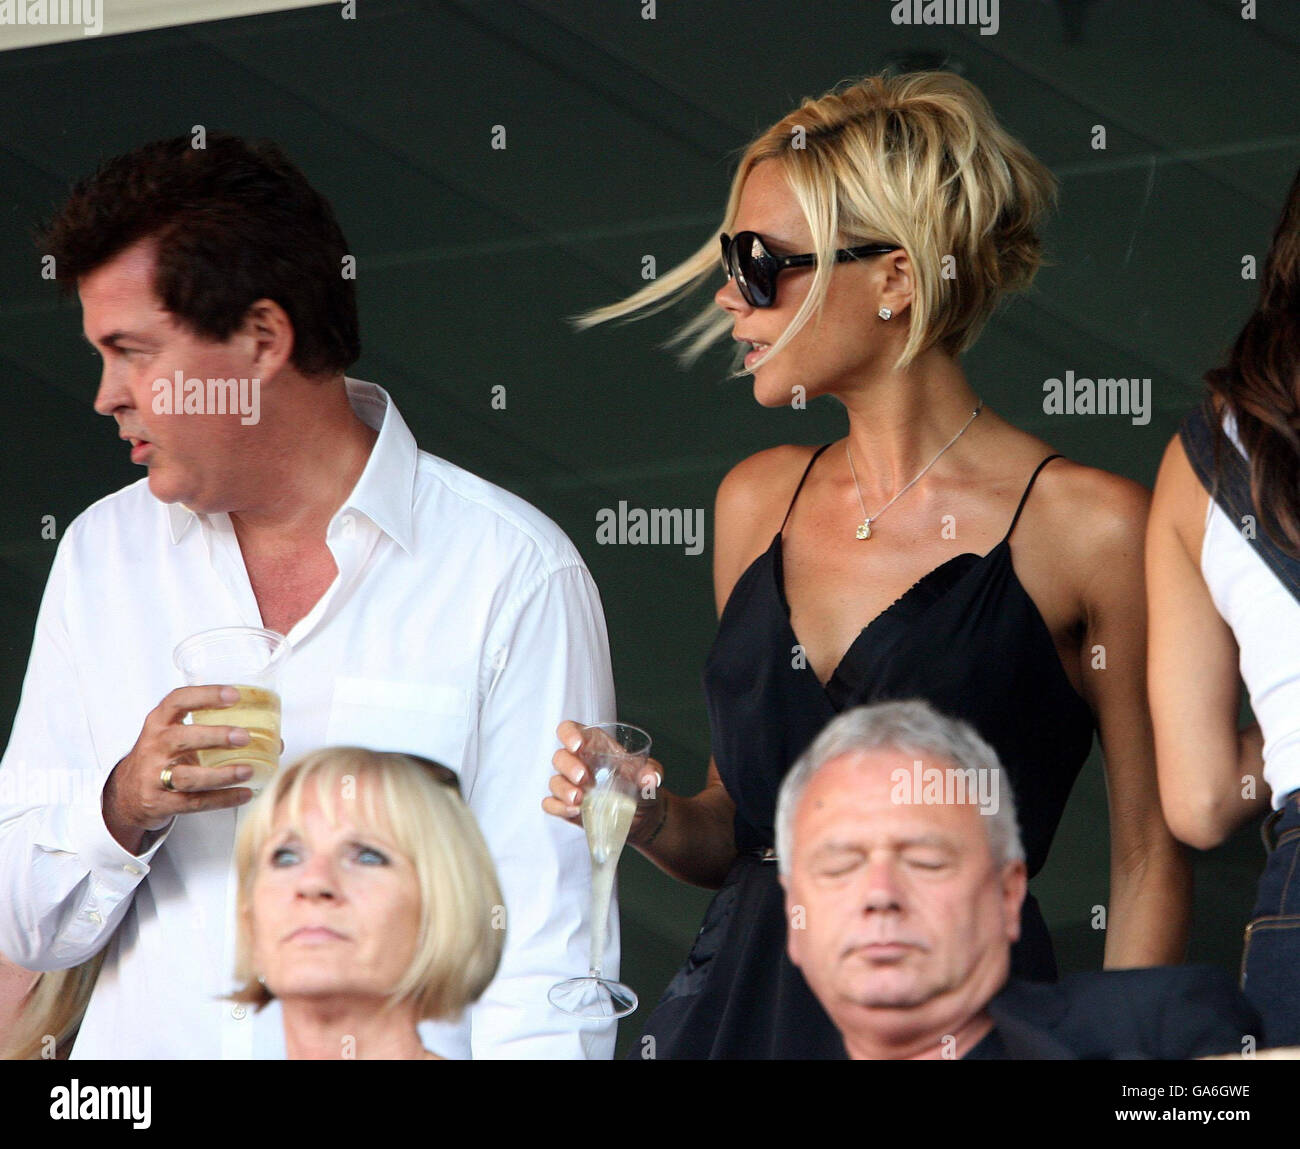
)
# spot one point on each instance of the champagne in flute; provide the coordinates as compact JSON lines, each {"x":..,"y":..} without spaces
{"x":607,"y":813}
{"x":614,"y":754}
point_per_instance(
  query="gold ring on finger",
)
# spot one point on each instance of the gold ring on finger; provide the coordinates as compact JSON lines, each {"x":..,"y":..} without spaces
{"x":166,"y":779}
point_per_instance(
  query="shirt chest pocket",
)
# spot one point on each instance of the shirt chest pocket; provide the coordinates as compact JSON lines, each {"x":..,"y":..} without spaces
{"x":415,"y":717}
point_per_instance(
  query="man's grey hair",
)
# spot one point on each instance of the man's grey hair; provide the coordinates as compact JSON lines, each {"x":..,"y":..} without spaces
{"x":913,"y":727}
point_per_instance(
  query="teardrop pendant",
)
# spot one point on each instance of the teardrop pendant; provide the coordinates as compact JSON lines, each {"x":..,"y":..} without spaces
{"x":864,"y":529}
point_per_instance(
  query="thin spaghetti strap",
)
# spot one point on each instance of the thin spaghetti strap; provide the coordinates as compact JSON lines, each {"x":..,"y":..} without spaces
{"x":803,"y":479}
{"x":1025,"y":497}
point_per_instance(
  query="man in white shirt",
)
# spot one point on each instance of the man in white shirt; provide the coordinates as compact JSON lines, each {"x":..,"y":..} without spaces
{"x":429,"y":611}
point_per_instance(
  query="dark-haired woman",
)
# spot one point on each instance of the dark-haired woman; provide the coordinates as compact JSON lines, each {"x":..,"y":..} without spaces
{"x":1223,"y":576}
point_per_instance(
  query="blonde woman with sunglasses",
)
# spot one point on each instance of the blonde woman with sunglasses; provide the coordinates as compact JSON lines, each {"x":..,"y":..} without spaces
{"x":935,"y":551}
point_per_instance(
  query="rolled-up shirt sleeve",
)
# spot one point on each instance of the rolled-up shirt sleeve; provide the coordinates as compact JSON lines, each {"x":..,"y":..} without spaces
{"x":548,"y":660}
{"x":65,"y":882}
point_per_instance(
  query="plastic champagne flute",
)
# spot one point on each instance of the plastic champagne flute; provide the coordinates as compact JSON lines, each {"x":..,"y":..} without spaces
{"x":614,"y":754}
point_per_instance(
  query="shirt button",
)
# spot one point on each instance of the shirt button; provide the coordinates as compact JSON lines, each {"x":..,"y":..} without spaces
{"x":239,"y":1013}
{"x":94,"y":917}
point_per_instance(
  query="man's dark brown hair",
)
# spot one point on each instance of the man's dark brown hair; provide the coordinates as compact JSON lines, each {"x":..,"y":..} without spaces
{"x":234,"y":222}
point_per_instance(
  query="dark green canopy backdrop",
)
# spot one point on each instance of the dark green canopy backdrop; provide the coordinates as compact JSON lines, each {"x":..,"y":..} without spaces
{"x":620,"y":133}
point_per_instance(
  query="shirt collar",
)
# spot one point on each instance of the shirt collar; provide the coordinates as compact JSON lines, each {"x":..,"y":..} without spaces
{"x":385,"y":491}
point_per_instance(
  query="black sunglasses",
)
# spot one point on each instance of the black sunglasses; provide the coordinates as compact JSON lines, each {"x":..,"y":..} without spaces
{"x":746,"y":259}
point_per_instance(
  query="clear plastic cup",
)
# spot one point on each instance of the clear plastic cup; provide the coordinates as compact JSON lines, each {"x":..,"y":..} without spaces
{"x":248,"y":658}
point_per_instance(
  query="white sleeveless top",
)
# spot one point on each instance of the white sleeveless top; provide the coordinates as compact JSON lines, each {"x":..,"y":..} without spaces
{"x":1265,"y":620}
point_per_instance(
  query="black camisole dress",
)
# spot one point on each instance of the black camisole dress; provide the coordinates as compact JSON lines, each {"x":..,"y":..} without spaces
{"x":966,"y":638}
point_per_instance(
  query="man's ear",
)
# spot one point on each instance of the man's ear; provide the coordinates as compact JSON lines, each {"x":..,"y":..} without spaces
{"x":792,"y":936}
{"x":268,"y":325}
{"x":1015,"y":884}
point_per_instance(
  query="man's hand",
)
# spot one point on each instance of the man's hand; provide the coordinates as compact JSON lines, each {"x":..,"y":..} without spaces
{"x":135,"y":800}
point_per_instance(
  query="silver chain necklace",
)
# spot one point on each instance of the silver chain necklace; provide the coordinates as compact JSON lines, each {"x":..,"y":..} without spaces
{"x":864,"y":528}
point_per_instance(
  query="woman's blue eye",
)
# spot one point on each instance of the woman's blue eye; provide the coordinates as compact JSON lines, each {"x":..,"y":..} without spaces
{"x":284,"y":856}
{"x":370,"y":856}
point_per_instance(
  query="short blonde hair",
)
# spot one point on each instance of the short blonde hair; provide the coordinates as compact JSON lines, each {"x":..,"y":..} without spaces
{"x":918,"y":160}
{"x":462,"y":917}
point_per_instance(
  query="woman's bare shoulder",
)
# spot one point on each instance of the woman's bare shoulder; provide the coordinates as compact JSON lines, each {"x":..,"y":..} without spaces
{"x":1181,"y":500}
{"x":751,"y":503}
{"x":1069,"y":499}
{"x":758,"y":489}
{"x":1088,"y":513}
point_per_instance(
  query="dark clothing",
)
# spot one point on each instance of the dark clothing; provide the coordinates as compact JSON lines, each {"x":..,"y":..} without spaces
{"x":1165,"y":1013}
{"x":991,"y":1047}
{"x":1227,"y":479}
{"x":1169,"y":1013}
{"x":966,"y":638}
{"x":1271,"y":959}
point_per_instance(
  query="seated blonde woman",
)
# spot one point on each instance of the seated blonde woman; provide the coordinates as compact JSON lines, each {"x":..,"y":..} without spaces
{"x":367,"y":904}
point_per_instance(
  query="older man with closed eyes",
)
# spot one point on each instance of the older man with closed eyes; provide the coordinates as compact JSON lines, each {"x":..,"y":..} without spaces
{"x":903,"y":883}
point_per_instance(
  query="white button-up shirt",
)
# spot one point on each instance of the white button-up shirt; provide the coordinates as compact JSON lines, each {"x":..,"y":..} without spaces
{"x":462,"y":625}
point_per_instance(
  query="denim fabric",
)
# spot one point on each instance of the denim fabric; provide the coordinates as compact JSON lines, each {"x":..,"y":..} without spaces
{"x":1270,"y":961}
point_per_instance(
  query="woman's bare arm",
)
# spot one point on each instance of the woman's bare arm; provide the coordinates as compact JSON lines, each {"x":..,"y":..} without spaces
{"x":1149,"y":910}
{"x":1210,"y":772}
{"x":692,"y":838}
{"x":696,"y":842}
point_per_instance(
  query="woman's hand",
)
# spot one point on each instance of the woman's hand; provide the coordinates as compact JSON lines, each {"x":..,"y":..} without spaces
{"x":572,"y":778}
